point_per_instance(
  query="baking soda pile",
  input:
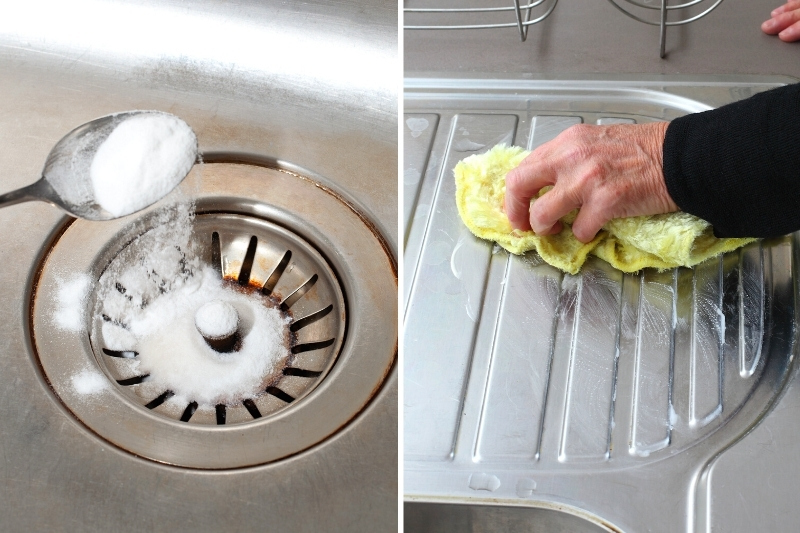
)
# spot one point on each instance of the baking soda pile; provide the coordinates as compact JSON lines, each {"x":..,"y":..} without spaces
{"x":89,"y":382}
{"x":216,"y":319}
{"x":143,"y":159}
{"x":148,"y":300}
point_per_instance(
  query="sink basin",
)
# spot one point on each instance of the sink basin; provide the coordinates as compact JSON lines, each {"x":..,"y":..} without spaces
{"x":450,"y":518}
{"x":295,"y":109}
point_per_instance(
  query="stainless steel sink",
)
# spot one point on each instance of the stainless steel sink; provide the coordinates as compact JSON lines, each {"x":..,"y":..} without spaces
{"x":295,"y":108}
{"x":602,"y":395}
{"x":454,"y":518}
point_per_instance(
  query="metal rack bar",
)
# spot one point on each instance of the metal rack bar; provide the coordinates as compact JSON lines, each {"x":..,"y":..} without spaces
{"x":673,"y":23}
{"x":471,"y":9}
{"x":662,"y":21}
{"x":522,"y":22}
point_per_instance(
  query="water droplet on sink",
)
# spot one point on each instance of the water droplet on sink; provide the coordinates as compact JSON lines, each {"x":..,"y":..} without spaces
{"x":411,"y":176}
{"x":417,"y":125}
{"x":525,"y":487}
{"x":453,"y":287}
{"x":484,"y":482}
{"x":437,"y":253}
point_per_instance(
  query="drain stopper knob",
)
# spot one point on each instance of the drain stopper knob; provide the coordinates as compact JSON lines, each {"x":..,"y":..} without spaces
{"x":218,"y":323}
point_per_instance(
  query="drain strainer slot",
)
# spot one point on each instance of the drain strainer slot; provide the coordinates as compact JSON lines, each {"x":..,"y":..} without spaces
{"x":306,"y":252}
{"x":258,"y":257}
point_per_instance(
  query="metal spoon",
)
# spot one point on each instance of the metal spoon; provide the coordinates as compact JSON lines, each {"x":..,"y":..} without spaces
{"x":66,"y":181}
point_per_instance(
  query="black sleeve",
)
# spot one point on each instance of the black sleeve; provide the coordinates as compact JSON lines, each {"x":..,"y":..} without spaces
{"x":738,"y":167}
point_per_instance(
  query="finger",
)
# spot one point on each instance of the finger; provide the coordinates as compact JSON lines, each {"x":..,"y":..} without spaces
{"x":588,"y":222}
{"x":552,"y":230}
{"x":522,"y":184}
{"x":790,"y":34}
{"x":788,"y":6}
{"x":547,"y":210}
{"x":777,"y":24}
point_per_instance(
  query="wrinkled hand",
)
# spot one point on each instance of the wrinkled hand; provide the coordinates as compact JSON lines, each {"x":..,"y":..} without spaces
{"x":607,"y":171}
{"x":785,"y":22}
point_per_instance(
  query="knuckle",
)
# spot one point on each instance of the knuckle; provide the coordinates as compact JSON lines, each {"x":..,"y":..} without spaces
{"x":589,"y":177}
{"x":514,"y":183}
{"x":576,"y":151}
{"x":581,"y":150}
{"x":573,"y":133}
{"x":604,"y":207}
{"x":512,"y":180}
{"x":580,"y":130}
{"x":601,"y":207}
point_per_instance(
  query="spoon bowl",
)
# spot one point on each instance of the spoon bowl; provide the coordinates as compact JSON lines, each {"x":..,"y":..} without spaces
{"x":66,"y":179}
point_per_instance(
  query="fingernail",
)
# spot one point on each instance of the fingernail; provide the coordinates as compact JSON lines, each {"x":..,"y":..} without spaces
{"x":768,"y":25}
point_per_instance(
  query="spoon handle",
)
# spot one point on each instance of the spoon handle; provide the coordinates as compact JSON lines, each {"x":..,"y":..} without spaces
{"x":25,"y":194}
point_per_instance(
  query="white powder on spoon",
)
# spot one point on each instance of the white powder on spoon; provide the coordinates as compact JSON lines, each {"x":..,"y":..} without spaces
{"x":143,"y":159}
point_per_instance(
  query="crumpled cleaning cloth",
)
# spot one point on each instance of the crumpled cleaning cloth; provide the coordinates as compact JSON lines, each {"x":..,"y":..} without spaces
{"x":629,"y":244}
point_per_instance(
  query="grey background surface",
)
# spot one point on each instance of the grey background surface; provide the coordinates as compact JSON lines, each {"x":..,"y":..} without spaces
{"x":591,"y":36}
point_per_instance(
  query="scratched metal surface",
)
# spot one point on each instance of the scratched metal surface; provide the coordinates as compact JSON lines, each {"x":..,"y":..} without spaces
{"x":309,"y":83}
{"x":603,"y":393}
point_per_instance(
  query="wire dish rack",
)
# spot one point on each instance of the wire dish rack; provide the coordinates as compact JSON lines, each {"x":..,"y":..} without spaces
{"x":638,"y":10}
{"x":538,"y":9}
{"x":652,"y":12}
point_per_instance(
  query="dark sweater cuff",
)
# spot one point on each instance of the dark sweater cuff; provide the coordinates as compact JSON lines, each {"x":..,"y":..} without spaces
{"x":738,"y":166}
{"x":678,"y":188}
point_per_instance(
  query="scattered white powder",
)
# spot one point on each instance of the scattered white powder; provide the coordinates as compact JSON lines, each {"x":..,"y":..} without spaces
{"x":150,"y":296}
{"x":216,"y":319}
{"x":89,"y":382}
{"x":142,"y":160}
{"x":70,"y":301}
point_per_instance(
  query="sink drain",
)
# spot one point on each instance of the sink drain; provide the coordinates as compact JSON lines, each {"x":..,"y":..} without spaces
{"x":275,"y":266}
{"x":305,"y":254}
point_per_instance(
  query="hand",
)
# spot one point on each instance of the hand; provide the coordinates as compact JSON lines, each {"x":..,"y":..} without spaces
{"x":785,"y":22}
{"x":606,"y":171}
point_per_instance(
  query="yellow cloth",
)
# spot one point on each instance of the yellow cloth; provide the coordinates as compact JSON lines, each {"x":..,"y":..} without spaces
{"x":629,"y":244}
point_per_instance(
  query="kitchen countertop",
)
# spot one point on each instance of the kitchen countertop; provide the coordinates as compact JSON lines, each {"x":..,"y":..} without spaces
{"x":592,"y":37}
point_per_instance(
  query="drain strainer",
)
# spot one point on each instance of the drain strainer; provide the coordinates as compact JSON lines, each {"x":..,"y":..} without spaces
{"x":301,"y":252}
{"x":277,"y":268}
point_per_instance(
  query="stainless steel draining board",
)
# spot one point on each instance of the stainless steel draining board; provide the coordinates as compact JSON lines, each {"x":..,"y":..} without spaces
{"x":604,"y":394}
